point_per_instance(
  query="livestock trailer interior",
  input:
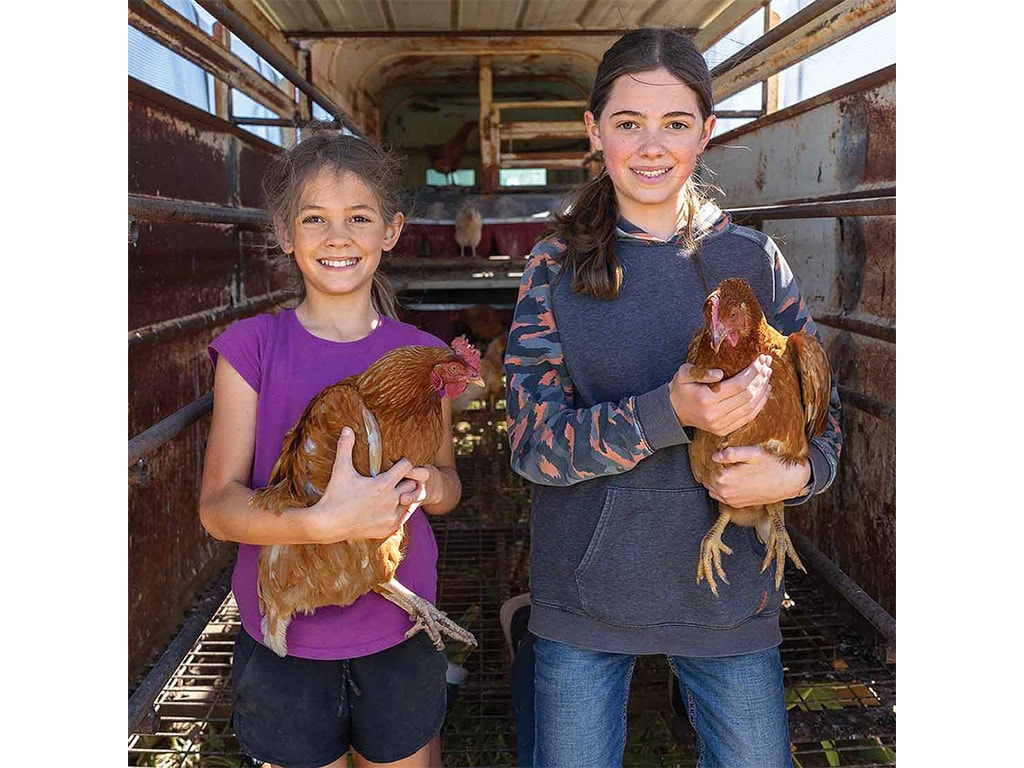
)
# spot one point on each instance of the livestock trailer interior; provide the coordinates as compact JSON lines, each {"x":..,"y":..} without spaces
{"x":484,"y":101}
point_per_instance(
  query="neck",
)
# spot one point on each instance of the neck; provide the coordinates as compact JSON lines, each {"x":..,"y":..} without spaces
{"x":338,"y":318}
{"x":662,"y":221}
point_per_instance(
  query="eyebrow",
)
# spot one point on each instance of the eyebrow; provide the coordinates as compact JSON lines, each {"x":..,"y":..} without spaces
{"x":314,"y":207}
{"x":634,"y":113}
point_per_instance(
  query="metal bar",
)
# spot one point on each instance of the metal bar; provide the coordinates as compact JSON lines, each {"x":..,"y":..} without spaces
{"x":566,"y":103}
{"x":293,"y":123}
{"x":402,"y":283}
{"x":145,"y":443}
{"x":320,"y":34}
{"x":730,"y":114}
{"x":852,"y":595}
{"x":407,"y":266}
{"x":873,"y":206}
{"x":870,"y":405}
{"x":790,"y":42}
{"x":861,"y":84}
{"x":179,"y":326}
{"x":511,"y":220}
{"x":874,"y":329}
{"x":173,"y":30}
{"x":173,"y":210}
{"x":773,"y":36}
{"x":722,"y":20}
{"x":220,"y":11}
{"x":140,"y":703}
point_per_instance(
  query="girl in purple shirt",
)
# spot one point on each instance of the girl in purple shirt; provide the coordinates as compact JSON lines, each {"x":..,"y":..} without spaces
{"x":351,"y":682}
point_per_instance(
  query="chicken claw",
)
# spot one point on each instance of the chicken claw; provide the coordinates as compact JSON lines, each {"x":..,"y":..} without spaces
{"x":426,"y":616}
{"x":779,"y":545}
{"x":711,"y":549}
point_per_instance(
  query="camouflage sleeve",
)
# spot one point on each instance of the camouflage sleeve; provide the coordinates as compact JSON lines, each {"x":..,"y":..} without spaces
{"x":553,"y":443}
{"x":790,"y":315}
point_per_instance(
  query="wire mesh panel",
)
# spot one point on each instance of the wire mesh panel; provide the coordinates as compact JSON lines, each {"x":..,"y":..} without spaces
{"x":841,"y":699}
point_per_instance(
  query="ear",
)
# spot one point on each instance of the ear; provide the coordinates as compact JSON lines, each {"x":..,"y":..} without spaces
{"x":283,"y":236}
{"x":593,"y":132}
{"x":392,"y":230}
{"x":706,"y":131}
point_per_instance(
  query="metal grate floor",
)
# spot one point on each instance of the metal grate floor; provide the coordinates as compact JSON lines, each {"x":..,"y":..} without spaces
{"x":841,"y":698}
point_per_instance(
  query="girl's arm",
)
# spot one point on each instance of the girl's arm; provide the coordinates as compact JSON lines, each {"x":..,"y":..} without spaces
{"x":352,"y":507}
{"x":439,"y":488}
{"x":553,"y":443}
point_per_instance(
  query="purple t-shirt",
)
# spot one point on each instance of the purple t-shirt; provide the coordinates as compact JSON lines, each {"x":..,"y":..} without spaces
{"x":288,"y":366}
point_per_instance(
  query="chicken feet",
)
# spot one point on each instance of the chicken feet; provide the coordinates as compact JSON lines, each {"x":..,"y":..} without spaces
{"x":778,"y":544}
{"x":425,"y":615}
{"x":711,"y":549}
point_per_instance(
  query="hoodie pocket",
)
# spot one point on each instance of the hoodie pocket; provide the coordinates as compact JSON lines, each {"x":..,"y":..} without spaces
{"x":640,"y":565}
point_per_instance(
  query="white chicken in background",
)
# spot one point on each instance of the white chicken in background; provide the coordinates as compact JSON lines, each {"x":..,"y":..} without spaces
{"x":469,"y":227}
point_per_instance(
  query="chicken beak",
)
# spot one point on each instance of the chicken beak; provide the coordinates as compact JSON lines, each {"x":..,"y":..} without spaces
{"x":479,"y":381}
{"x":718,"y":333}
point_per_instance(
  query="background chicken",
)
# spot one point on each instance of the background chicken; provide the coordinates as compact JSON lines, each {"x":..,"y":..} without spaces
{"x":492,"y":374}
{"x":394,"y":408}
{"x":483,"y":322}
{"x":445,"y":158}
{"x":734,"y":334}
{"x":469,"y":227}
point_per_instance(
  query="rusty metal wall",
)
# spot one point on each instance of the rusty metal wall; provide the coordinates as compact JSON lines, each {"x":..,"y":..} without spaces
{"x":174,"y":270}
{"x":840,"y":144}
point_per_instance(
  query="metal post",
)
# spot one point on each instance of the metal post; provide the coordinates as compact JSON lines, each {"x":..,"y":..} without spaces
{"x":220,"y":11}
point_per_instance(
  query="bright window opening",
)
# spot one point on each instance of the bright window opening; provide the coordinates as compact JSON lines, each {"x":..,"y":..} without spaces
{"x":464,"y":177}
{"x":522,"y":177}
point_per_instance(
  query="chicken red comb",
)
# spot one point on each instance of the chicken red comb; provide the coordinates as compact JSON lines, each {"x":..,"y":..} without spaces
{"x":470,"y":355}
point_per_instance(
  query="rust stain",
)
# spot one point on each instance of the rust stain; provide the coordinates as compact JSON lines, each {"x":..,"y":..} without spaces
{"x":881,"y":151}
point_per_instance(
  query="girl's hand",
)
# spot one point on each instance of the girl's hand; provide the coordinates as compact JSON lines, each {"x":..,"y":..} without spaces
{"x":747,"y":476}
{"x":358,"y":507}
{"x":429,"y":488}
{"x":700,"y":399}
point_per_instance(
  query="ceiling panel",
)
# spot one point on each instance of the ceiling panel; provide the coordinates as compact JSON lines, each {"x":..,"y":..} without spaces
{"x":541,"y":15}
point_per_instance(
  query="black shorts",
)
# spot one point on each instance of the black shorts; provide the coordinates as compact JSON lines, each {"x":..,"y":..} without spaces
{"x":306,"y":713}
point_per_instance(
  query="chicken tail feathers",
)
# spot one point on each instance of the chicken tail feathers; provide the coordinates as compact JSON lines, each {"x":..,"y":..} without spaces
{"x":815,"y":377}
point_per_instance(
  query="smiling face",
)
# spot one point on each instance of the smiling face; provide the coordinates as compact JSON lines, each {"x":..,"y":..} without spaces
{"x":338,"y":234}
{"x":651,"y":132}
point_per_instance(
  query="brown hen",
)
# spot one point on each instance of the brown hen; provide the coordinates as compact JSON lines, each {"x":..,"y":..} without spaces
{"x":394,"y":408}
{"x":734,"y":334}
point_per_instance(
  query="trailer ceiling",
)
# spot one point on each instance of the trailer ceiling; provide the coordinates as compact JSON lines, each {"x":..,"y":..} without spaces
{"x":572,"y":17}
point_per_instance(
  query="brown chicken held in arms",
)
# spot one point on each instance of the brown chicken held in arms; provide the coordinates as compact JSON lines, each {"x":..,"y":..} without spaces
{"x":734,"y":334}
{"x":394,"y":408}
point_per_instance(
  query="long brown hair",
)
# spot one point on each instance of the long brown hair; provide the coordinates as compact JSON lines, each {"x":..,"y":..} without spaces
{"x":588,"y":223}
{"x":319,"y":148}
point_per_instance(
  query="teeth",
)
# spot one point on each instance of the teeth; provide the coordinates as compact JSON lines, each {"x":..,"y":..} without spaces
{"x":652,"y":174}
{"x":341,"y":263}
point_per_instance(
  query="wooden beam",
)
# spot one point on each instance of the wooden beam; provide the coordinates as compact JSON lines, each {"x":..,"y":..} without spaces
{"x":488,"y":147}
{"x":551,"y":129}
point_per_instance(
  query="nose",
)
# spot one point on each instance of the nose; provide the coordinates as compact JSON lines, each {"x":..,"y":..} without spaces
{"x":338,"y":234}
{"x":651,"y":143}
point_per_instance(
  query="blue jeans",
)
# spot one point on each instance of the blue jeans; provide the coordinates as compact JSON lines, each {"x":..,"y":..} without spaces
{"x":736,"y":704}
